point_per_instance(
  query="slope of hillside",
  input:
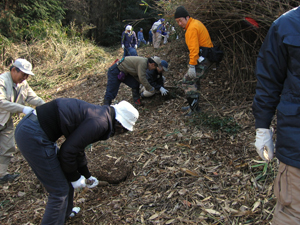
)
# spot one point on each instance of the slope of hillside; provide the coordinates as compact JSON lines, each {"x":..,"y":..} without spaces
{"x":171,"y":169}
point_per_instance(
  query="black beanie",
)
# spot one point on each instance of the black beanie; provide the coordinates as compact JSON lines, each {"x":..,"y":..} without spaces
{"x":181,"y":12}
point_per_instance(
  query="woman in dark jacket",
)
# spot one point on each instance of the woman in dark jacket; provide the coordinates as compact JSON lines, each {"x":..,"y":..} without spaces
{"x":62,"y":170}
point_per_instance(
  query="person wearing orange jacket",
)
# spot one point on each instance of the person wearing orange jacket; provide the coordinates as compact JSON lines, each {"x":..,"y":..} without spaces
{"x":197,"y":39}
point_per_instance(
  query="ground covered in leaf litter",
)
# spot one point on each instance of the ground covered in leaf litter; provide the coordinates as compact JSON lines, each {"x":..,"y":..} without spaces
{"x":171,"y":169}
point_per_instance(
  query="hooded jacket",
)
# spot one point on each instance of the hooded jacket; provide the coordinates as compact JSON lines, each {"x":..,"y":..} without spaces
{"x":196,"y":36}
{"x":81,"y":123}
{"x":278,"y":85}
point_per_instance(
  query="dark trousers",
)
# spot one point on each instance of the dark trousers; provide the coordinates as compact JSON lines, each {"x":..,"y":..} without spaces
{"x":41,"y":154}
{"x":113,"y":83}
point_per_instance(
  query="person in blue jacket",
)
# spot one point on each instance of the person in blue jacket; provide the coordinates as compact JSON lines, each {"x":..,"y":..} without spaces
{"x":141,"y":37}
{"x":129,"y":42}
{"x":278,"y":89}
{"x":62,"y":170}
{"x":150,"y":40}
{"x":157,"y":80}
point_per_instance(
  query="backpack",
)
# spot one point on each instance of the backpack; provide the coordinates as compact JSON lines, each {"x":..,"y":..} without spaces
{"x":155,"y":26}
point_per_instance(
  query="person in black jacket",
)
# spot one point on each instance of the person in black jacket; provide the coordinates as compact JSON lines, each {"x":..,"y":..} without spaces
{"x":278,"y":91}
{"x":62,"y":170}
{"x":156,"y":79}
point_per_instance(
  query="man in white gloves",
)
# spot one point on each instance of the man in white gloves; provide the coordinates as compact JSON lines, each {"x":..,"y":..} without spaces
{"x":156,"y":80}
{"x":278,"y":89}
{"x":62,"y":170}
{"x":196,"y":37}
{"x":14,"y":92}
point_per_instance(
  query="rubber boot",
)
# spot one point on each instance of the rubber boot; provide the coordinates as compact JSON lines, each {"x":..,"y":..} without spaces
{"x":107,"y":102}
{"x":136,"y":97}
{"x":194,"y":106}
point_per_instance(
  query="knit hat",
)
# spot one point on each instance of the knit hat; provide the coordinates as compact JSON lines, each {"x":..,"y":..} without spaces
{"x":181,"y":12}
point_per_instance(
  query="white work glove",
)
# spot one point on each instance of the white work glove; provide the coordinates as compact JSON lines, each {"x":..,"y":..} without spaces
{"x":135,"y":46}
{"x":92,"y":182}
{"x":192,"y":71}
{"x":264,"y":143}
{"x":27,"y":110}
{"x":163,"y":91}
{"x":80,"y":183}
{"x":123,"y":46}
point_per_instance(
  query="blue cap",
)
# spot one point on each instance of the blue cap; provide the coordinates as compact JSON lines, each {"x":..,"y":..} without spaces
{"x":162,"y":20}
{"x":164,"y":65}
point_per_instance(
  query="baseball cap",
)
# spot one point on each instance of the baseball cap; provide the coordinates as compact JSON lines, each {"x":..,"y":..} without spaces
{"x":24,"y":66}
{"x":157,"y":60}
{"x":164,"y":65}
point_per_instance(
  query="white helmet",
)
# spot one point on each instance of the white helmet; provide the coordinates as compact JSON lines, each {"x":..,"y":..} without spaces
{"x":126,"y":114}
{"x":128,"y":27}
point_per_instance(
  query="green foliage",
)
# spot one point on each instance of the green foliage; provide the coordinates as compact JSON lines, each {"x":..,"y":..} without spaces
{"x":18,"y":17}
{"x":225,"y":124}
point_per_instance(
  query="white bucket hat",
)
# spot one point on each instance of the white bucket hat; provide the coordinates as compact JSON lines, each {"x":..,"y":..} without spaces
{"x":24,"y":66}
{"x":126,"y":114}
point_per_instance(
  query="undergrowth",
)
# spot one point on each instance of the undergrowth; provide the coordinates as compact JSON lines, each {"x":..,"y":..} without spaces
{"x":215,"y":123}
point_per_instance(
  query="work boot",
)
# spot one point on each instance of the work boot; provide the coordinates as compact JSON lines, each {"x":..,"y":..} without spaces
{"x":8,"y":178}
{"x":107,"y":102}
{"x":194,"y":106}
{"x":136,"y":97}
{"x":138,"y":103}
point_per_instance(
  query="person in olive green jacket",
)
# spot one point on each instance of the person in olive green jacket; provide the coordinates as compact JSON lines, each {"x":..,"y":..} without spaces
{"x":131,"y":70}
{"x":14,"y":92}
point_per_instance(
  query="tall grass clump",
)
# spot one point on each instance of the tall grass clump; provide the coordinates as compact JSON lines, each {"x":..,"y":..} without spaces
{"x":56,"y":53}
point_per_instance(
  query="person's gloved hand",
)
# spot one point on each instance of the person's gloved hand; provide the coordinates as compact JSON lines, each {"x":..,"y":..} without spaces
{"x":123,"y":46}
{"x":163,"y":91}
{"x":264,"y":143}
{"x":92,"y":182}
{"x":192,"y":71}
{"x":80,"y":183}
{"x":135,"y":46}
{"x":27,"y":110}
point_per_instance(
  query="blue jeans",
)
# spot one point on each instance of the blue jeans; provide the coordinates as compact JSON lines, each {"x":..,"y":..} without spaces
{"x":113,"y":83}
{"x":41,"y":154}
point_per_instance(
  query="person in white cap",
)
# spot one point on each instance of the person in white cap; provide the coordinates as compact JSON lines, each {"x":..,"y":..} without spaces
{"x":129,"y":42}
{"x":65,"y":169}
{"x":14,"y":92}
{"x":131,"y":70}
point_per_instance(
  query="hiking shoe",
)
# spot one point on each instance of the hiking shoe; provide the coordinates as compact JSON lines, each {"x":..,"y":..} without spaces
{"x":74,"y":212}
{"x":8,"y":178}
